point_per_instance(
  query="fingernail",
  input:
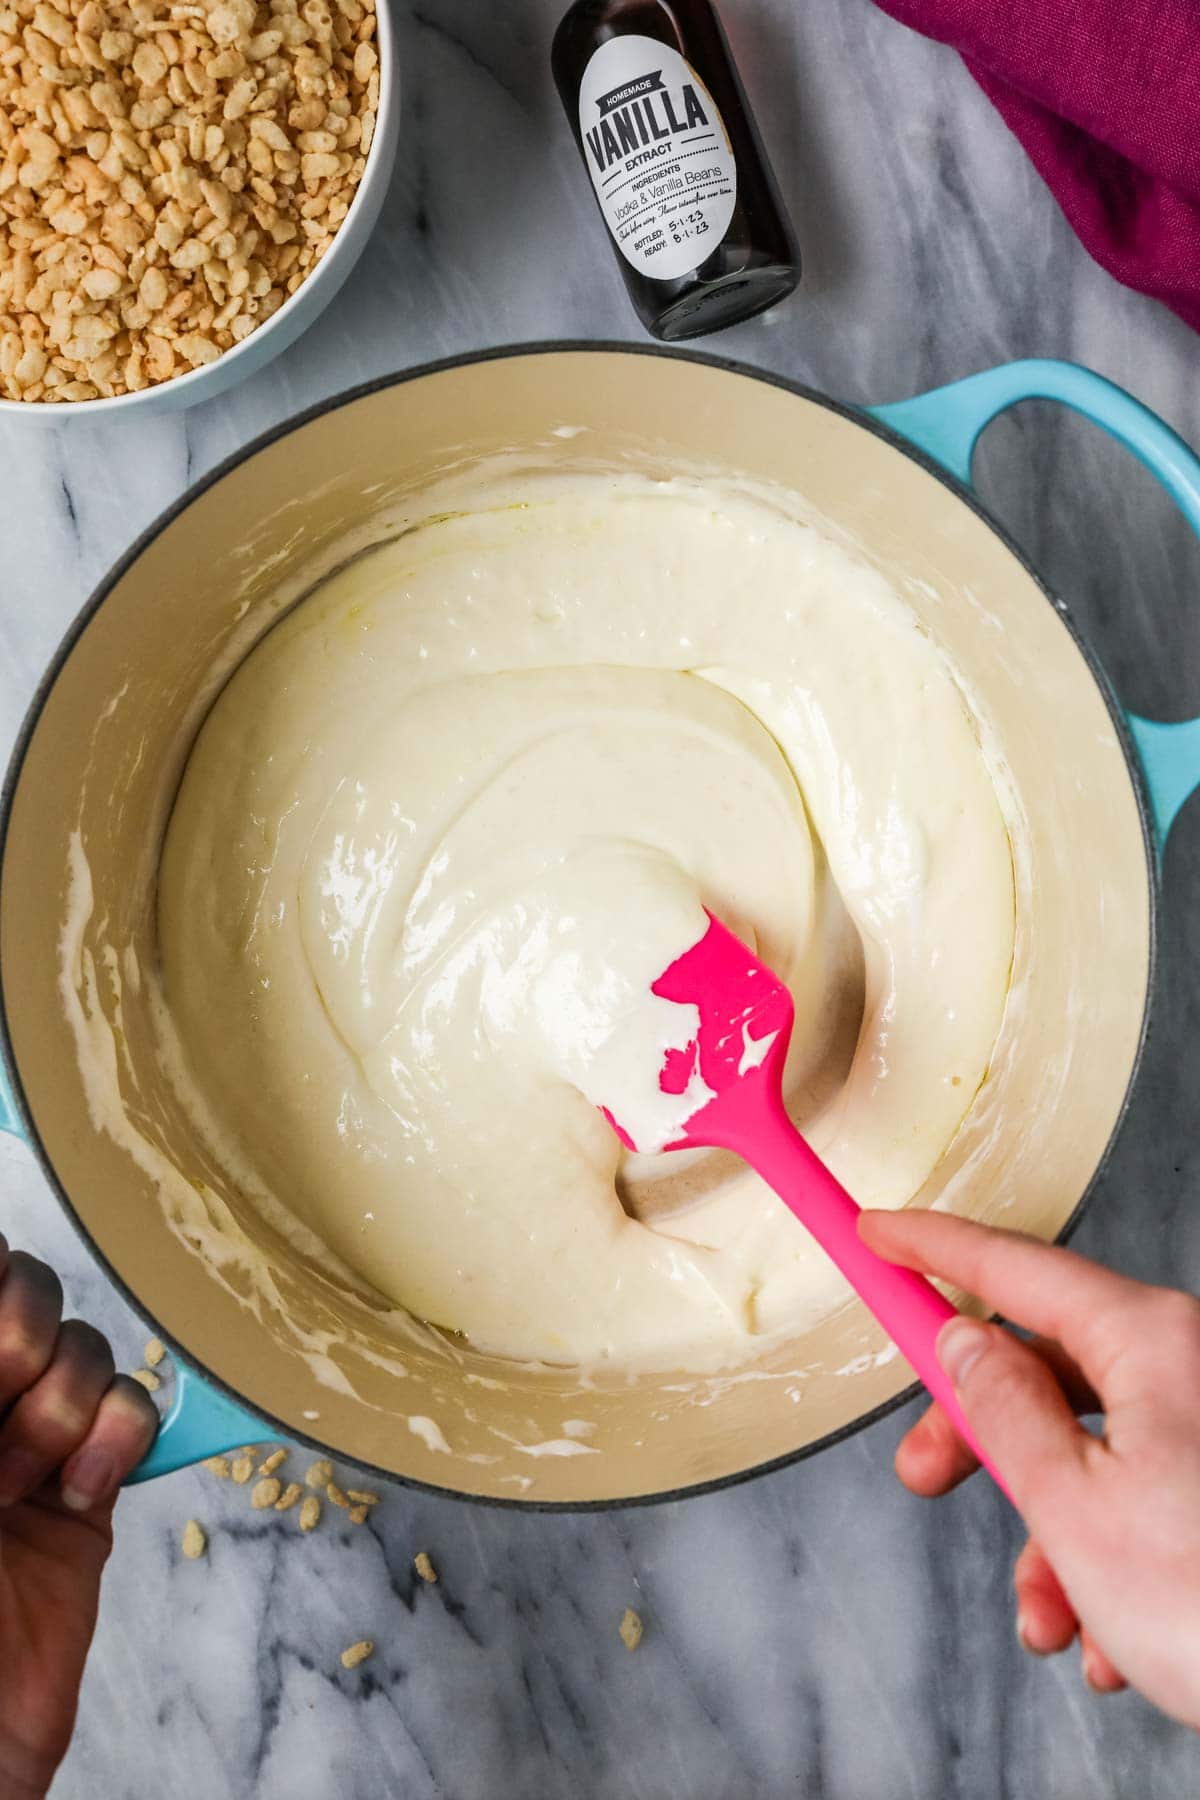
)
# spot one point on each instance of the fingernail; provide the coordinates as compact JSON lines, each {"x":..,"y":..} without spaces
{"x":91,"y":1474}
{"x":1023,"y":1637}
{"x":960,"y":1344}
{"x":19,"y":1471}
{"x":1092,"y":1675}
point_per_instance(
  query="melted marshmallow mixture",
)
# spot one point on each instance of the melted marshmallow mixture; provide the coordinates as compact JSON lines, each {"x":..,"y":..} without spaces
{"x":457,"y":812}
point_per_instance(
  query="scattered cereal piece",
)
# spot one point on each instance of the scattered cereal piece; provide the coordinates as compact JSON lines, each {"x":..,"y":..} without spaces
{"x":154,"y":1352}
{"x":310,"y":1513}
{"x":148,"y":1379}
{"x":362,"y":1497}
{"x":336,"y":1495}
{"x":218,"y":1466}
{"x":243,"y":1468}
{"x":321,"y":1474}
{"x":289,"y":1497}
{"x":265,"y":1493}
{"x":359,"y":1515}
{"x":195,"y":1543}
{"x":357,"y":1653}
{"x":273,"y":1461}
{"x":631,"y":1629}
{"x":424,"y":1567}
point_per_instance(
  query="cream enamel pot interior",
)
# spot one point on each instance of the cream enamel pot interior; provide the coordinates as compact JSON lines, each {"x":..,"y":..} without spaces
{"x":101,"y":753}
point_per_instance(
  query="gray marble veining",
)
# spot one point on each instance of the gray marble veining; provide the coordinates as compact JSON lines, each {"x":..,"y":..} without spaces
{"x":817,"y":1633}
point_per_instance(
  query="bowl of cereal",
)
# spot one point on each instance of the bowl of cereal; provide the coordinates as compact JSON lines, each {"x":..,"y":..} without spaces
{"x":183,"y":188}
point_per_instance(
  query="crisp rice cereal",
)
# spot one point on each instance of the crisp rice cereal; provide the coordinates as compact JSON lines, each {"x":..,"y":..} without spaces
{"x":194,"y":1542}
{"x":170,"y":173}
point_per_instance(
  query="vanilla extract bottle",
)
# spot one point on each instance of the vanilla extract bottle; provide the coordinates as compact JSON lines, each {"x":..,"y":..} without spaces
{"x":676,"y":162}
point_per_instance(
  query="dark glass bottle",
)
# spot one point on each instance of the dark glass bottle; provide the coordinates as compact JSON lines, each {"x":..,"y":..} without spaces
{"x":676,"y":162}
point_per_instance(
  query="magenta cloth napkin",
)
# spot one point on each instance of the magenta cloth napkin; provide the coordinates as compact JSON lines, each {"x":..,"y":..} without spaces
{"x":1105,"y":97}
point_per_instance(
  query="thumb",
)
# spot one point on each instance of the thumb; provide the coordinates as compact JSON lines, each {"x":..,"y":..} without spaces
{"x":1018,"y":1412}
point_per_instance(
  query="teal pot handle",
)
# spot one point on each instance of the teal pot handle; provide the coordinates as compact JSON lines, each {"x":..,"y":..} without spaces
{"x":10,"y":1118}
{"x":946,"y":423}
{"x":200,"y":1421}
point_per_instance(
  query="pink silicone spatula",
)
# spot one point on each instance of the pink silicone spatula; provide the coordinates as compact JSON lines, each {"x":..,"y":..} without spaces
{"x":735,"y":1064}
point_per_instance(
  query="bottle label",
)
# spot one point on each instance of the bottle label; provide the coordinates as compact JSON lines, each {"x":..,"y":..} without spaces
{"x":658,"y":154}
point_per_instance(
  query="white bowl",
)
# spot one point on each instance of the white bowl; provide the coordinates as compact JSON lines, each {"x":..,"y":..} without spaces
{"x":299,"y":310}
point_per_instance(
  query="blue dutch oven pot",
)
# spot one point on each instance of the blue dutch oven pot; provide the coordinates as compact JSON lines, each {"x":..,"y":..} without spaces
{"x":100,"y":752}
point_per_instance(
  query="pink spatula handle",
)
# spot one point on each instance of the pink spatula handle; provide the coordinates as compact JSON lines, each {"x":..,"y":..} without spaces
{"x":910,"y":1309}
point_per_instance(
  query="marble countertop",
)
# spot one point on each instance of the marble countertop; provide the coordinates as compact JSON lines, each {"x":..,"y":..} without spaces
{"x":818,"y":1632}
